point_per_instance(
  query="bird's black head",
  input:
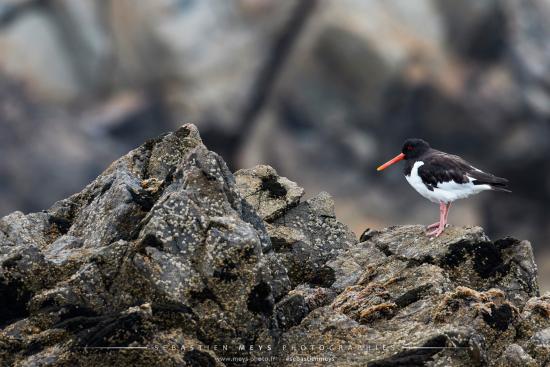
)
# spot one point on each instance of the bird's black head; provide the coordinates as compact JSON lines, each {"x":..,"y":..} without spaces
{"x":414,"y":148}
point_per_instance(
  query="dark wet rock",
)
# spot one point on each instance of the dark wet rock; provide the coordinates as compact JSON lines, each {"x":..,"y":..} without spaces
{"x":168,"y":251}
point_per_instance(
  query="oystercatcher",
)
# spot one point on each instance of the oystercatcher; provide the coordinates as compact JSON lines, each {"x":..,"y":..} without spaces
{"x":442,"y":178}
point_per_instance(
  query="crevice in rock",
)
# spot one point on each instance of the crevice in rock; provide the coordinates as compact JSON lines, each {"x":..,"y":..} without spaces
{"x":500,"y":318}
{"x":367,"y":234}
{"x":106,"y":187}
{"x":144,"y":199}
{"x":62,"y":224}
{"x":170,"y":308}
{"x":225,"y":273}
{"x":150,"y":240}
{"x":196,"y":358}
{"x":33,"y":348}
{"x":205,"y":294}
{"x":384,"y":247}
{"x":274,"y":189}
{"x":78,"y":323}
{"x":280,"y":245}
{"x":412,"y":296}
{"x":116,"y":331}
{"x":413,"y":357}
{"x":323,"y":277}
{"x":11,"y":262}
{"x":13,"y":302}
{"x":260,"y":299}
{"x":412,"y":263}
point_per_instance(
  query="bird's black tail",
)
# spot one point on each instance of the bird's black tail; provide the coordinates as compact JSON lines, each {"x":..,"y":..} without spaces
{"x":496,"y":183}
{"x":500,"y":188}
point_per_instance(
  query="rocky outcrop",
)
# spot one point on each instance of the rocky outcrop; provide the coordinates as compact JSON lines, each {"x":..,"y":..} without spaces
{"x":173,"y":258}
{"x":403,"y":299}
{"x":304,"y":235}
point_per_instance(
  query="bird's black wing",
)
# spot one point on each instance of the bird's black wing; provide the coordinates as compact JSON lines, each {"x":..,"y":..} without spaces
{"x":442,"y":167}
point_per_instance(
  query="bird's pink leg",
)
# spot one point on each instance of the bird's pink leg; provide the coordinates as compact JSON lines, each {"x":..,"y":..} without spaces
{"x":447,"y":207}
{"x":441,"y":227}
{"x":436,"y":224}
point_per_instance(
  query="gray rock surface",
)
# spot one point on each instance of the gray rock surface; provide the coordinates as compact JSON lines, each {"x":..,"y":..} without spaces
{"x":167,"y":251}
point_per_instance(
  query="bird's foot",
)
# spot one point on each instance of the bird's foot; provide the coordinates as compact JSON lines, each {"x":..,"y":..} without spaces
{"x":436,"y":232}
{"x":433,"y":225}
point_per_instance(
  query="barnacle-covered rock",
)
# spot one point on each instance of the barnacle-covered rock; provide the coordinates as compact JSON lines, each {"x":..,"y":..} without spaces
{"x":164,"y":227}
{"x":406,"y":299}
{"x":167,"y":259}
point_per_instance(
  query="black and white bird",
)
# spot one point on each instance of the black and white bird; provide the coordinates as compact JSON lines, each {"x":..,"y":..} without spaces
{"x":442,"y":178}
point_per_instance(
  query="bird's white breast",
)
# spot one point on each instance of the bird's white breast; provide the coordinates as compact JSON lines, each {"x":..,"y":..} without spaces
{"x":445,"y":191}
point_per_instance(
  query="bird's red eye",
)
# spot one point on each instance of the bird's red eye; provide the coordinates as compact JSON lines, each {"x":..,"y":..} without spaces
{"x":410,"y":147}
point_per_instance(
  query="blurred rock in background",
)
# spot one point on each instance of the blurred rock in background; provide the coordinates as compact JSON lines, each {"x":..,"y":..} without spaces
{"x":322,"y":90}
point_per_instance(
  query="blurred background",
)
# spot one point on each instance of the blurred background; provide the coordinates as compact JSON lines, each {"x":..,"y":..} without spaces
{"x":322,"y":90}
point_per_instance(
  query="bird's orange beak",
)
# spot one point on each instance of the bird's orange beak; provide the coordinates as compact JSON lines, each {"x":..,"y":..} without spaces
{"x":398,"y":158}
